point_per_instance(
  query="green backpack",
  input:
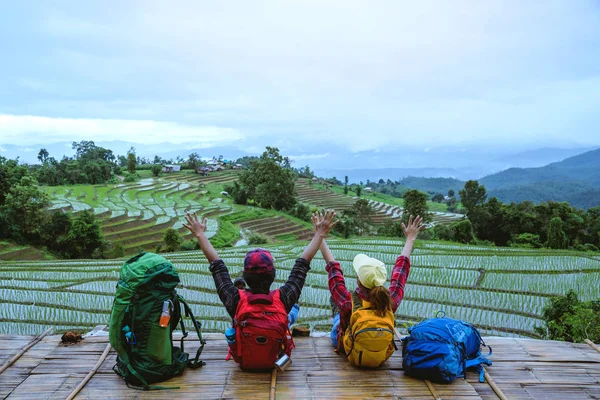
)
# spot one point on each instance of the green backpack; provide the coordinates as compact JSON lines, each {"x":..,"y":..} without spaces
{"x":145,"y":351}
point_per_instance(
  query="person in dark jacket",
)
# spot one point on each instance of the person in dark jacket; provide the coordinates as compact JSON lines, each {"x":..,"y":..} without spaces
{"x":259,"y":269}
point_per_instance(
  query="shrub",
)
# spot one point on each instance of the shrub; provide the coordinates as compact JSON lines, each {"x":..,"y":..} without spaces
{"x":189,"y":245}
{"x":172,"y":239}
{"x":131,"y":177}
{"x":527,"y":240}
{"x":257,"y":238}
{"x":571,"y":320}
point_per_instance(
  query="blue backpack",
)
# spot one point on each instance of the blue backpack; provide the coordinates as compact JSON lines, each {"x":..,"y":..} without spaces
{"x":442,"y":349}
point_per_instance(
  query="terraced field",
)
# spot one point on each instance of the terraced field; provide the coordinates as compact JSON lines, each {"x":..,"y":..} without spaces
{"x":383,"y":211}
{"x":502,"y":291}
{"x":277,"y":226}
{"x":137,"y":214}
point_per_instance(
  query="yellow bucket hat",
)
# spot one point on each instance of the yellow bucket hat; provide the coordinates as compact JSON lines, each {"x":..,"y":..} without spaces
{"x":370,"y":271}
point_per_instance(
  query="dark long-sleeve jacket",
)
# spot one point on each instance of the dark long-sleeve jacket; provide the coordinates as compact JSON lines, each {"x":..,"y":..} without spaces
{"x":230,"y":296}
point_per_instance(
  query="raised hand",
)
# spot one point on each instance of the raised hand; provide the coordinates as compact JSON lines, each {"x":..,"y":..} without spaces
{"x":322,"y":224}
{"x":411,"y":231}
{"x":194,"y":225}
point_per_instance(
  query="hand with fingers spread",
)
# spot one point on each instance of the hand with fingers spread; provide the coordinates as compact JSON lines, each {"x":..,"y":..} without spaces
{"x":198,"y":229}
{"x":411,"y":231}
{"x":322,"y":224}
{"x":194,"y":225}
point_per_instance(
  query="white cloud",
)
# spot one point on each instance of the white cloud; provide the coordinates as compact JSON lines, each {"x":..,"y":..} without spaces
{"x":23,"y":129}
{"x":2,"y":149}
{"x":308,"y":156}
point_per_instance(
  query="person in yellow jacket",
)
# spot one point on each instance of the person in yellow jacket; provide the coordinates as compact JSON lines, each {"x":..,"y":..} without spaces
{"x":363,"y":328}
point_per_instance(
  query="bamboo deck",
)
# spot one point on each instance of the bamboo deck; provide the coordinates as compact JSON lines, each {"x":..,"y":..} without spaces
{"x":522,"y":369}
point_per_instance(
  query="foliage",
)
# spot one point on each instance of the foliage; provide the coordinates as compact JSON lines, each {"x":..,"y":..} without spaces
{"x":568,"y":319}
{"x":526,"y":240}
{"x":189,"y":245}
{"x":22,"y":209}
{"x":172,"y":239}
{"x":131,"y":163}
{"x":391,"y":229}
{"x":226,"y":235}
{"x":471,"y":196}
{"x":556,"y":236}
{"x":238,"y":193}
{"x":461,"y":231}
{"x":347,"y":225}
{"x":269,"y":182}
{"x":156,"y":169}
{"x":438,"y":198}
{"x":92,"y":164}
{"x":301,"y":211}
{"x":256,"y":238}
{"x":358,"y":190}
{"x":361,"y":213}
{"x":415,"y":203}
{"x":129,"y":177}
{"x":84,"y":236}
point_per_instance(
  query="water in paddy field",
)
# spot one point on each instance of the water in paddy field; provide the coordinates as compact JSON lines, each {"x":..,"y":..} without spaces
{"x":243,"y":241}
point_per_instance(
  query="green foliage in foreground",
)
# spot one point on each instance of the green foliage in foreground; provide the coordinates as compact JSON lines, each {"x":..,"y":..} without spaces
{"x":571,"y":320}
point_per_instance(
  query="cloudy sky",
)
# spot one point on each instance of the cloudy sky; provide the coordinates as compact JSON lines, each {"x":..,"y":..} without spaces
{"x":310,"y":77}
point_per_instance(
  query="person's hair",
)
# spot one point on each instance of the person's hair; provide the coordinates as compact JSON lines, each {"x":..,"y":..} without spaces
{"x":381,"y":300}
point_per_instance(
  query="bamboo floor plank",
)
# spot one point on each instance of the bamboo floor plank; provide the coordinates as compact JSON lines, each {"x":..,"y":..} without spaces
{"x":522,"y":369}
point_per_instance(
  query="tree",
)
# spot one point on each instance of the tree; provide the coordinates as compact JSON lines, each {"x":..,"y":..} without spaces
{"x":556,"y":236}
{"x":438,"y":198}
{"x":84,"y":236}
{"x":156,"y":170}
{"x":23,"y":207}
{"x":566,"y":318}
{"x":193,"y":160}
{"x":463,"y":231}
{"x":345,"y":189}
{"x":172,"y":239}
{"x":43,"y":156}
{"x":415,"y":203}
{"x":472,"y":195}
{"x":450,"y":193}
{"x":358,"y":190}
{"x":131,"y":163}
{"x":362,"y":212}
{"x":268,"y":183}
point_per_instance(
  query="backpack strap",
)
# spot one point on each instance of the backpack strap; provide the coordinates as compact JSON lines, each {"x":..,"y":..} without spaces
{"x":356,"y":304}
{"x":196,"y":362}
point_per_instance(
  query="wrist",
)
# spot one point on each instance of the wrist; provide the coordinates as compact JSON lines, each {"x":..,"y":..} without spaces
{"x":200,"y":235}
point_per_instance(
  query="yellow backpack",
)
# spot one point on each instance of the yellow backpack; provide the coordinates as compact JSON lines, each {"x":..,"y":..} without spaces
{"x":369,"y":338}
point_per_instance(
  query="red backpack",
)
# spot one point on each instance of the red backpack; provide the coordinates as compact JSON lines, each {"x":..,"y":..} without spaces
{"x":262,"y":333}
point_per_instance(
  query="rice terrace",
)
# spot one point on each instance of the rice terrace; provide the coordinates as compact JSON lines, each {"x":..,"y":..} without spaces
{"x":500,"y":290}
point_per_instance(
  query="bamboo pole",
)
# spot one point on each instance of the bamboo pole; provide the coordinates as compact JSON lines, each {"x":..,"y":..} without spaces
{"x":434,"y":392}
{"x":90,"y":374}
{"x":273,"y":384}
{"x":493,"y":385}
{"x":594,"y":346}
{"x":24,"y":350}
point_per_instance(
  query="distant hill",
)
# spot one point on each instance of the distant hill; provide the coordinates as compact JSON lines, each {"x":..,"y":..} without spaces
{"x":584,"y":168}
{"x":435,"y":185}
{"x":575,"y":180}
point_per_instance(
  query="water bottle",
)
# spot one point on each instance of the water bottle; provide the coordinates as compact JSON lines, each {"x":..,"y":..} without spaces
{"x":165,"y":316}
{"x":230,"y":336}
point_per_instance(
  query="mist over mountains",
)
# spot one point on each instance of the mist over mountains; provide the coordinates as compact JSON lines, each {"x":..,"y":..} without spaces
{"x":463,"y":163}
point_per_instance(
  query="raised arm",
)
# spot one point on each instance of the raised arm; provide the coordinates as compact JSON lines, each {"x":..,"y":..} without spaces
{"x":322,"y":225}
{"x":326,"y":252}
{"x":198,"y":229}
{"x":411,"y":231}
